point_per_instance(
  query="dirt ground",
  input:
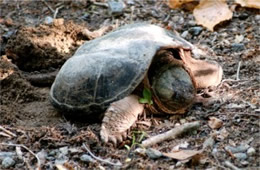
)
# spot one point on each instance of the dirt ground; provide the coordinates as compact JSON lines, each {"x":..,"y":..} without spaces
{"x":32,"y":51}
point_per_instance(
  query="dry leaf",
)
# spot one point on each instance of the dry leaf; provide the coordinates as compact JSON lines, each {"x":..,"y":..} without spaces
{"x":182,"y":154}
{"x":215,"y":123}
{"x":177,"y":3}
{"x":249,"y":3}
{"x":209,"y":13}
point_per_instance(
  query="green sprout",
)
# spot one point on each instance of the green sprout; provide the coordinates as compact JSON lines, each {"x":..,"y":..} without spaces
{"x":140,"y":135}
{"x":147,"y":97}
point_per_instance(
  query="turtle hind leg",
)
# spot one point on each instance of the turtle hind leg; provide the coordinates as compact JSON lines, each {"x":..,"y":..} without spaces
{"x":119,"y":117}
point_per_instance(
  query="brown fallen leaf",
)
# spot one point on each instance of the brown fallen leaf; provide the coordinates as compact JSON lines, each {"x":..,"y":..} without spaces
{"x":215,"y":123}
{"x":209,"y":13}
{"x":177,"y":3}
{"x":249,"y":3}
{"x":182,"y":154}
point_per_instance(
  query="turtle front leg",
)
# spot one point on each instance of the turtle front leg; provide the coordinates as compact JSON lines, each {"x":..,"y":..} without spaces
{"x":119,"y":117}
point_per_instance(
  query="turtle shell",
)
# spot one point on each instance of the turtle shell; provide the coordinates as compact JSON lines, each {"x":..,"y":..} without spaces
{"x":110,"y":67}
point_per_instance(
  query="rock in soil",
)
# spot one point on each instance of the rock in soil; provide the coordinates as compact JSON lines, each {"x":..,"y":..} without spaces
{"x":116,"y":7}
{"x":237,"y":47}
{"x":251,"y":151}
{"x":6,"y":154}
{"x":240,"y":156}
{"x":86,"y":158}
{"x":45,"y":46}
{"x":8,"y":162}
{"x":48,"y":20}
{"x":195,"y":30}
{"x":241,"y":148}
{"x":153,"y":153}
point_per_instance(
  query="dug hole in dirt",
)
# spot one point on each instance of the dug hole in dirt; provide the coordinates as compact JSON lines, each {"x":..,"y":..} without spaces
{"x":34,"y":56}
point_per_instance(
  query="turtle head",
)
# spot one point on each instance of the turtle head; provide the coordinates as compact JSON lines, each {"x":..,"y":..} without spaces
{"x":173,"y":88}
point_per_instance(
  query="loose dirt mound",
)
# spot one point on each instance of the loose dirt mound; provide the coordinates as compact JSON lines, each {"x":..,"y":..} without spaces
{"x":45,"y":46}
{"x":38,"y":51}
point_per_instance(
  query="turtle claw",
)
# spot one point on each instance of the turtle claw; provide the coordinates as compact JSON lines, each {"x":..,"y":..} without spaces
{"x":119,"y":117}
{"x":108,"y":136}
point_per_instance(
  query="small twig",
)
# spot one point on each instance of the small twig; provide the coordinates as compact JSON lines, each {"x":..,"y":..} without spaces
{"x":100,"y":4}
{"x":238,"y":70}
{"x":230,"y":165}
{"x":7,"y":131}
{"x":132,"y":14}
{"x":48,"y":6}
{"x":19,"y":145}
{"x":100,"y":159}
{"x":56,"y":11}
{"x":5,"y":135}
{"x":171,"y":134}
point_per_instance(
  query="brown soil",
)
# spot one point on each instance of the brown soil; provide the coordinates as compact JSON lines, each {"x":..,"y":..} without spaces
{"x":45,"y":46}
{"x":31,"y":49}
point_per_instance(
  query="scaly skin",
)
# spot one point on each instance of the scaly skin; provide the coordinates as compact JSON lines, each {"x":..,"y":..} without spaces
{"x":119,"y":117}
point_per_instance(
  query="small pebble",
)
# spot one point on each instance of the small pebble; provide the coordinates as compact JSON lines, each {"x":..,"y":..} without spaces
{"x":257,"y":17}
{"x":243,"y":16}
{"x":130,"y":2}
{"x":48,"y":20}
{"x":195,"y":30}
{"x":176,"y":18}
{"x":116,"y":7}
{"x":53,"y":152}
{"x":251,"y":151}
{"x":214,"y":151}
{"x":182,"y":121}
{"x":7,"y":35}
{"x":86,"y":158}
{"x":240,"y":156}
{"x":50,"y":158}
{"x":140,"y":151}
{"x":85,"y":16}
{"x":191,"y":23}
{"x":244,"y":162}
{"x":64,"y":150}
{"x":237,"y":46}
{"x":181,"y":21}
{"x":155,"y":14}
{"x":241,"y":148}
{"x":8,"y":162}
{"x":178,"y":164}
{"x":153,"y":153}
{"x":60,"y":161}
{"x":3,"y":155}
{"x":224,"y":34}
{"x":177,"y":124}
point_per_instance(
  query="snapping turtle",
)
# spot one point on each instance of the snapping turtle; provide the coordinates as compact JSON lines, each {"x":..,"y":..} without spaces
{"x":109,"y":73}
